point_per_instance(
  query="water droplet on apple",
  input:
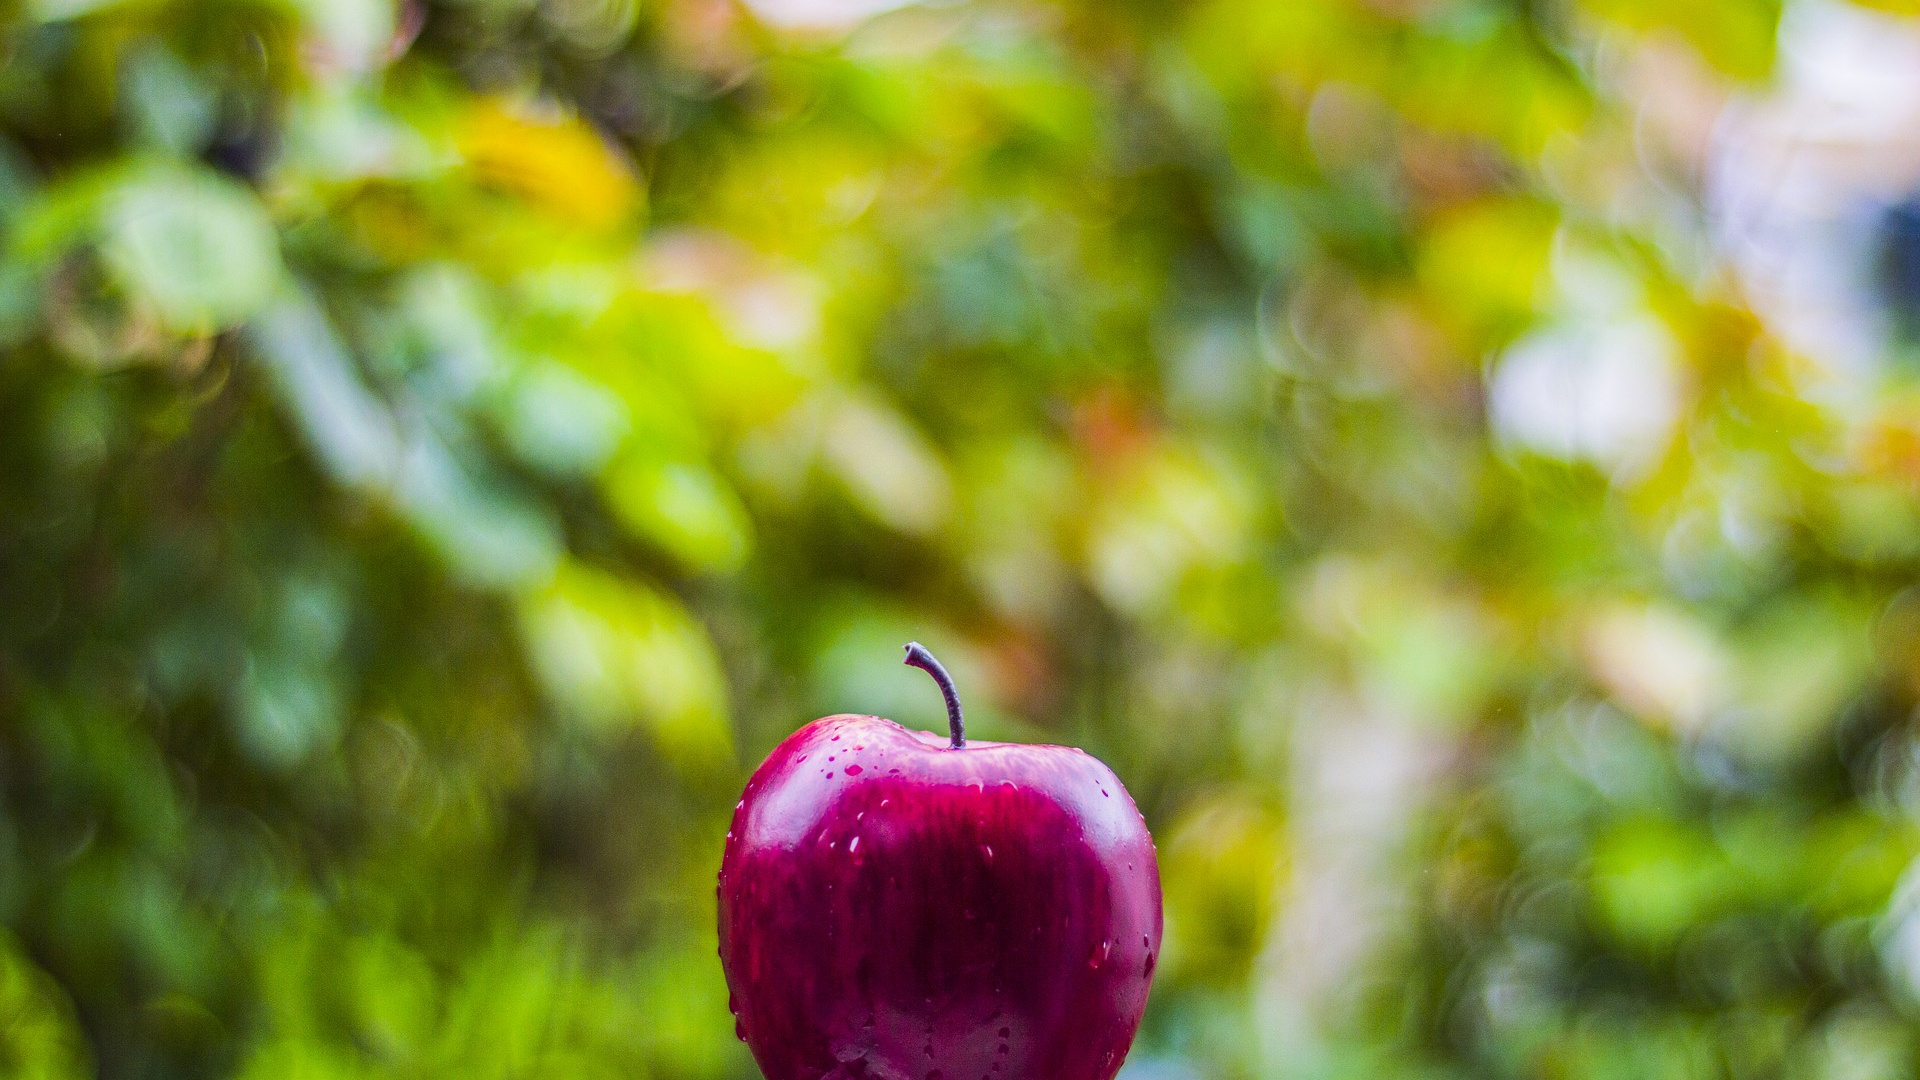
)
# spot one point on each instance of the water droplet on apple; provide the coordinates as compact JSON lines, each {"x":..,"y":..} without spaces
{"x":1103,"y":791}
{"x":853,"y":845}
{"x":1099,"y":954}
{"x":739,"y":1030}
{"x":833,"y":845}
{"x":741,"y":805}
{"x":885,"y":802}
{"x":836,"y":738}
{"x":1146,"y":942}
{"x":1149,"y":970}
{"x":733,"y":1005}
{"x":829,"y":776}
{"x":987,"y":850}
{"x":936,"y":1074}
{"x":853,"y":770}
{"x":1005,"y":1032}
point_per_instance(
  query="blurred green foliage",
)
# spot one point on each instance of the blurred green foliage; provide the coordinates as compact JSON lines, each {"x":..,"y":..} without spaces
{"x":444,"y":445}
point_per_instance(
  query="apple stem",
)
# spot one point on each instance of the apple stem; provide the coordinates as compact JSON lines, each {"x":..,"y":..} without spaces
{"x":918,"y":656}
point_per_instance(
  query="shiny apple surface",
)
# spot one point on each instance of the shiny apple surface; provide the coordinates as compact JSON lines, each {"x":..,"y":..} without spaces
{"x":895,"y":908}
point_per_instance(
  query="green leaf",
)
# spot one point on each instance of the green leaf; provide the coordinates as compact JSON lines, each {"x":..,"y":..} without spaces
{"x":199,"y":248}
{"x":685,"y":508}
{"x":615,"y":653}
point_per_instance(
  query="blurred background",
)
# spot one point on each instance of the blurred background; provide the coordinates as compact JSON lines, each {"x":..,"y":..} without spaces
{"x":1458,"y":460}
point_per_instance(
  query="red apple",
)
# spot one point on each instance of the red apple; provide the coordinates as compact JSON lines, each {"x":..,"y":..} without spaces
{"x":899,"y":906}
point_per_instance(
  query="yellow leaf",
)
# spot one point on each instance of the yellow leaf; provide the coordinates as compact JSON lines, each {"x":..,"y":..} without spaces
{"x":560,"y":165}
{"x":1485,"y":262}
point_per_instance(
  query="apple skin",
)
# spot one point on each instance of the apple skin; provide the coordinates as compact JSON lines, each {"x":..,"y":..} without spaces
{"x":895,"y":908}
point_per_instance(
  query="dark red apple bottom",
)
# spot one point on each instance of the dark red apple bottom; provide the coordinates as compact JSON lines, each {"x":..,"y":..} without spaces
{"x":894,"y":909}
